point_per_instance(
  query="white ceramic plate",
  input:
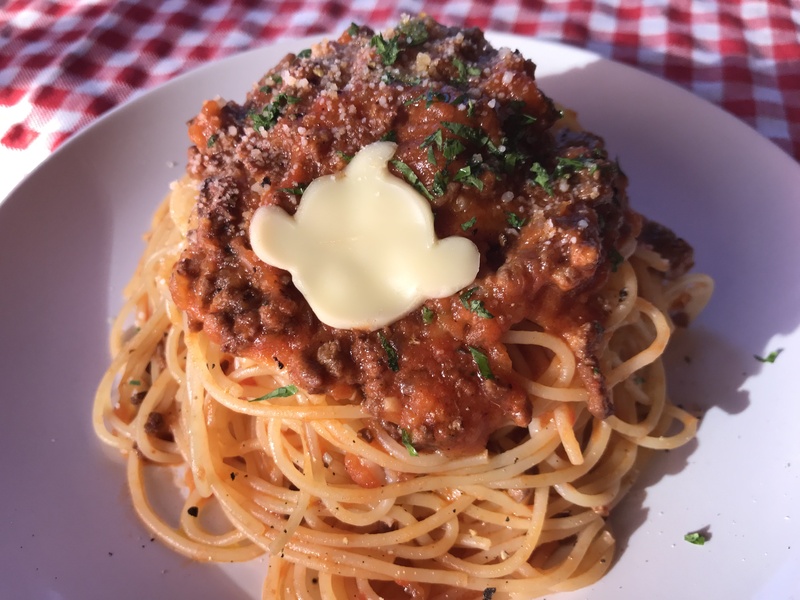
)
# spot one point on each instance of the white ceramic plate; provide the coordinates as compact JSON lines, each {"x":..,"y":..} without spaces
{"x":70,"y":237}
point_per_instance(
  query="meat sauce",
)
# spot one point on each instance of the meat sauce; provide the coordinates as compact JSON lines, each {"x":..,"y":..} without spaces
{"x":545,"y":206}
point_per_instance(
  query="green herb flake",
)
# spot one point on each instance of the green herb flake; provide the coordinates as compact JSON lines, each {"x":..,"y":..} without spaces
{"x":212,"y":140}
{"x":515,"y":220}
{"x":414,"y":31}
{"x":281,"y":392}
{"x":344,"y":156}
{"x":434,"y":139}
{"x":472,"y":134}
{"x":440,"y":182}
{"x":134,"y":382}
{"x":452,"y":148}
{"x":541,"y":178}
{"x":427,"y":315}
{"x":405,"y":437}
{"x":271,"y":112}
{"x":466,"y":176}
{"x":430,"y":97}
{"x":353,"y":29}
{"x":277,"y":79}
{"x":391,"y":352}
{"x":769,"y":358}
{"x":387,"y":49}
{"x":482,"y":363}
{"x":297,"y":190}
{"x":305,"y":53}
{"x":411,"y":178}
{"x":469,"y":224}
{"x":696,"y":538}
{"x":389,"y":136}
{"x":566,"y":166}
{"x":475,"y":306}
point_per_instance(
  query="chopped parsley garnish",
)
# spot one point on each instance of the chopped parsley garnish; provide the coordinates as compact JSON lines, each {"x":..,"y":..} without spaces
{"x":472,"y":134}
{"x":281,"y":392}
{"x":466,"y":176}
{"x":305,"y":53}
{"x":434,"y":139}
{"x":212,"y":140}
{"x":344,"y":156}
{"x":515,"y":220}
{"x":389,"y":136}
{"x":411,"y":177}
{"x":414,"y":31}
{"x":390,"y":77}
{"x":769,"y":358}
{"x":429,"y":96}
{"x":440,"y":183}
{"x":391,"y":352}
{"x":427,"y":315}
{"x":297,"y":190}
{"x":387,"y":49}
{"x":468,"y":224}
{"x":695,"y":538}
{"x":452,"y":148}
{"x":405,"y":437}
{"x":475,"y":306}
{"x":488,"y":593}
{"x":464,"y":72}
{"x":541,"y":177}
{"x":277,"y":79}
{"x":134,"y":382}
{"x":270,"y":113}
{"x":482,"y":362}
{"x":353,"y":29}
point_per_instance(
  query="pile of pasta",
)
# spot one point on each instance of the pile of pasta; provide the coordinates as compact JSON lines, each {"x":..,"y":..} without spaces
{"x":524,"y":518}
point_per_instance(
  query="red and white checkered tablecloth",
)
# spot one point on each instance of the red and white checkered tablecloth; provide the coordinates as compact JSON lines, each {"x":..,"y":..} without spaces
{"x":63,"y":63}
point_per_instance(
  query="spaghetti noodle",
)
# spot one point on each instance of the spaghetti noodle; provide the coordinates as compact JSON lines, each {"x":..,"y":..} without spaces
{"x":347,"y":507}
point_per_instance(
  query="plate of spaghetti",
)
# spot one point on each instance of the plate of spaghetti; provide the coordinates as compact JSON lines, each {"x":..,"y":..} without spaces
{"x":421,"y":314}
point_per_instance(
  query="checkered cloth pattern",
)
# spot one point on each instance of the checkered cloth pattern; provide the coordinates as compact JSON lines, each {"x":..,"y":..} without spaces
{"x":63,"y":63}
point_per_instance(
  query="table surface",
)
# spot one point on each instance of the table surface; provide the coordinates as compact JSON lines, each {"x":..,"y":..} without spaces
{"x":65,"y":63}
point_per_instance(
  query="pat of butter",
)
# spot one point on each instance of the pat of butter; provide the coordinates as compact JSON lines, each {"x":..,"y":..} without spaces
{"x":361,"y":247}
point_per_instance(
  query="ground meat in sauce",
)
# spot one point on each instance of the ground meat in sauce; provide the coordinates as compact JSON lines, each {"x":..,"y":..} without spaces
{"x":546,"y":207}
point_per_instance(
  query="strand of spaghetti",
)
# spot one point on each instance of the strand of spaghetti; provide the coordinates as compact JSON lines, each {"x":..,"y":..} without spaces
{"x":688,"y":432}
{"x":300,"y":583}
{"x":565,"y":420}
{"x":595,"y":447}
{"x":550,"y":579}
{"x":392,"y":455}
{"x":513,"y":562}
{"x":563,"y":358}
{"x":626,"y":286}
{"x":166,"y":452}
{"x":692,"y":290}
{"x":171,"y":537}
{"x":136,"y":351}
{"x":342,"y":562}
{"x":649,"y":354}
{"x":655,"y":386}
{"x":593,"y":544}
{"x":534,"y":388}
{"x":191,"y":525}
{"x":409,"y":532}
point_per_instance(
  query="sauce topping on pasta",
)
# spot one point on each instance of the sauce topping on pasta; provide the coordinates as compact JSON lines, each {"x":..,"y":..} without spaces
{"x":543,"y":203}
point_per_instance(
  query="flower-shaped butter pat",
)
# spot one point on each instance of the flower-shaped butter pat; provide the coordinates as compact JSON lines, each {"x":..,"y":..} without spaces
{"x":361,"y":247}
